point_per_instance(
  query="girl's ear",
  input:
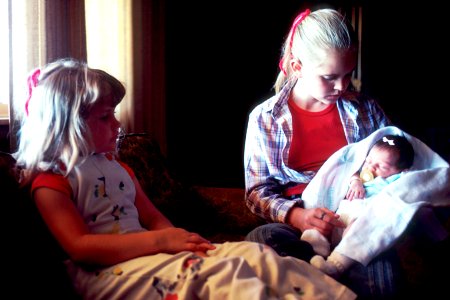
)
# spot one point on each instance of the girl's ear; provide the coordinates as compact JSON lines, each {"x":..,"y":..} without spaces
{"x":296,"y":67}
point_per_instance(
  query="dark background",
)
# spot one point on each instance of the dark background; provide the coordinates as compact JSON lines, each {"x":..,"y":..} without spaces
{"x":222,"y":59}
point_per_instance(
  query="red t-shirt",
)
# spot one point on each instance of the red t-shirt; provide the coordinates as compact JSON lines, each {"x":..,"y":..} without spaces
{"x":316,"y":136}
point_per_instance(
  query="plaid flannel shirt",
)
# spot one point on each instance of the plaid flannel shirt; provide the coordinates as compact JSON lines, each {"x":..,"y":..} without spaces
{"x":267,"y":143}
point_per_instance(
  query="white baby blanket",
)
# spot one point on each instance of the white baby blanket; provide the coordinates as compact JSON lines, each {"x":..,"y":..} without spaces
{"x":390,"y":211}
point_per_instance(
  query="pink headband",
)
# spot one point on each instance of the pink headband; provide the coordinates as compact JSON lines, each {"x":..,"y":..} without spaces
{"x":32,"y":82}
{"x":297,"y":21}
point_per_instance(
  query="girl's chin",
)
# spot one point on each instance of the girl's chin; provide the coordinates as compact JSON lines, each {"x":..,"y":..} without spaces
{"x":105,"y":149}
{"x":330,"y":99}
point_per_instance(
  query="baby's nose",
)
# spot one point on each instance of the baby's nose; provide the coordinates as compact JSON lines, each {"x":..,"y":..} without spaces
{"x":371,"y":168}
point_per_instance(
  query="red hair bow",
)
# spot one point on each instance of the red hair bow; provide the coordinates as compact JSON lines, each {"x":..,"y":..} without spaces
{"x":297,"y":21}
{"x":32,"y":82}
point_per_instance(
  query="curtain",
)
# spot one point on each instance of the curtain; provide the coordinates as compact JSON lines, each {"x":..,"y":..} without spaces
{"x":149,"y":87}
{"x":65,"y":30}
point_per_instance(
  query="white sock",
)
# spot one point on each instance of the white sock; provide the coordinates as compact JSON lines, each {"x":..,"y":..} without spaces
{"x":319,"y":243}
{"x":335,"y":265}
{"x":328,"y":268}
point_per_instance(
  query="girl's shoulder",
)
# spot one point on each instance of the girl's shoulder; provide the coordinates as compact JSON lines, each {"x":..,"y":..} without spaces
{"x":265,"y":105}
{"x":357,"y":97}
{"x":53,"y":181}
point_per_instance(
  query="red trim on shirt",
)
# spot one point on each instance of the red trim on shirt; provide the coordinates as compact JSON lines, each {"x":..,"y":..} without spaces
{"x":127,"y":168}
{"x":53,"y":181}
{"x":60,"y":183}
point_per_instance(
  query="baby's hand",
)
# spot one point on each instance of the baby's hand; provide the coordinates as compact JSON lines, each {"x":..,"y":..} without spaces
{"x":355,"y":190}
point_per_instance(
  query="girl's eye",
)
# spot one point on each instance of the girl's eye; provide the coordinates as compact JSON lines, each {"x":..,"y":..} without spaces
{"x":104,"y":117}
{"x":335,"y":77}
{"x":329,"y":78}
{"x":107,"y":115}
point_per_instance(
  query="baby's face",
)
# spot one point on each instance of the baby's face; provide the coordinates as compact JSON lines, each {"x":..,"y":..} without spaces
{"x":381,"y":162}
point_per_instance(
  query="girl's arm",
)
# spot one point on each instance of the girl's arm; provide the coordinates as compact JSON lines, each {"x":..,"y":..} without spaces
{"x":149,"y":216}
{"x":67,"y":226}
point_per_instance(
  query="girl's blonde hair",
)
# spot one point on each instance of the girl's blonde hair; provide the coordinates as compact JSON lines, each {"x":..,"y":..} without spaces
{"x":321,"y":30}
{"x":54,"y":134}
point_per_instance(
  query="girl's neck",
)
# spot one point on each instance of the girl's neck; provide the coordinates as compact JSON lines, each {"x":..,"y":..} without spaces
{"x":303,"y":100}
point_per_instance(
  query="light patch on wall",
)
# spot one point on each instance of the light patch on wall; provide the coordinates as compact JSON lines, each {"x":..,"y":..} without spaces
{"x":109,"y":44}
{"x":4,"y":59}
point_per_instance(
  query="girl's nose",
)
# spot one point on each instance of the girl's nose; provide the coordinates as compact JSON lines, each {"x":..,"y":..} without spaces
{"x":341,"y":84}
{"x":117,"y":124}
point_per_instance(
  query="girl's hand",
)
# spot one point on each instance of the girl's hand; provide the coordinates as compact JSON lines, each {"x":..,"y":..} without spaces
{"x":321,"y":219}
{"x":175,"y":240}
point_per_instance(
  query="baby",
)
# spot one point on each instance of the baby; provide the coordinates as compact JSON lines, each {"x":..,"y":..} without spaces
{"x":386,"y":161}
